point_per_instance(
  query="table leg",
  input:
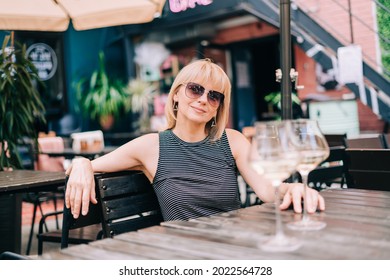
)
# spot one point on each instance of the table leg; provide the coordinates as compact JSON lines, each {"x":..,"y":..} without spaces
{"x":10,"y":223}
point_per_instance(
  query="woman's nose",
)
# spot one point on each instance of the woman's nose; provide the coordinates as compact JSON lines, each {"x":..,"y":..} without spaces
{"x":203,"y":98}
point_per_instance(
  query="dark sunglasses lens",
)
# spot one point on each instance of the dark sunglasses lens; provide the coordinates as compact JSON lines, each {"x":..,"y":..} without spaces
{"x":194,"y":90}
{"x":215,"y":98}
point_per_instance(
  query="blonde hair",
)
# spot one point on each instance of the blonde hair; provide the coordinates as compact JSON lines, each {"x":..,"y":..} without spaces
{"x":202,"y":71}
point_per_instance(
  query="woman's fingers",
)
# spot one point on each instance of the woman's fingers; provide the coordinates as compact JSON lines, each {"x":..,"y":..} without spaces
{"x":295,"y":195}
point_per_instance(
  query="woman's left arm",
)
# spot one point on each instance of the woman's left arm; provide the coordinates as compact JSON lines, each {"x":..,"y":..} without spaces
{"x":291,"y":193}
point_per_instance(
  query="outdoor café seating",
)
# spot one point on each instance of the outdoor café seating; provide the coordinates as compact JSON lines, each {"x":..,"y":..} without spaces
{"x":126,"y":202}
{"x":332,"y":170}
{"x":368,"y":169}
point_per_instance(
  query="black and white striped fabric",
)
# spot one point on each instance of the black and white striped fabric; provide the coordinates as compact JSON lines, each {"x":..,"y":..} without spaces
{"x":195,"y":179}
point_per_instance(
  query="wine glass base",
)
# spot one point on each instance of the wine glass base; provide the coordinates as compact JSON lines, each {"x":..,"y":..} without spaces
{"x":306,"y":225}
{"x":281,"y":244}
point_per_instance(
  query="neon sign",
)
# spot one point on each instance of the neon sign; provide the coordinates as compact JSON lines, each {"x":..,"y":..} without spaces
{"x":177,"y":6}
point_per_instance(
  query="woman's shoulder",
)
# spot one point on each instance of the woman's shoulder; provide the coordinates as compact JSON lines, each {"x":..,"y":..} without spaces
{"x":233,"y":134}
{"x":237,"y":141}
{"x":147,"y":139}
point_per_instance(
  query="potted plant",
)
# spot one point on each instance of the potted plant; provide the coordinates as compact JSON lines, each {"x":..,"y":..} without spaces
{"x":141,"y":94}
{"x":101,"y":97}
{"x":20,"y":103}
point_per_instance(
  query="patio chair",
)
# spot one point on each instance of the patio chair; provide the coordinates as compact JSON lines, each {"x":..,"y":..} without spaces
{"x":126,"y":202}
{"x":369,"y":169}
{"x":45,"y":163}
{"x":335,"y":139}
{"x":332,"y":170}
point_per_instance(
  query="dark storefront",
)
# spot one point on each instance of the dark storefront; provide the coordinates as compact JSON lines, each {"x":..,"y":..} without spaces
{"x":229,"y":32}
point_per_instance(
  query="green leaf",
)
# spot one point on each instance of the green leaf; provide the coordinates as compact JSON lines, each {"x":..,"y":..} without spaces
{"x":20,"y":102}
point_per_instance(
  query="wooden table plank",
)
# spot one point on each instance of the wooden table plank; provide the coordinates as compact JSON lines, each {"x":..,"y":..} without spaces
{"x":358,"y":227}
{"x":140,"y":251}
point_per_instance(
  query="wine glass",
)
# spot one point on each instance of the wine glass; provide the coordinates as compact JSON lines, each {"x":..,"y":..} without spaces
{"x":313,"y":148}
{"x":273,"y":156}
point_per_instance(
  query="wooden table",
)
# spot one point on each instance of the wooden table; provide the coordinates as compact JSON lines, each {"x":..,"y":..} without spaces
{"x":358,"y":227}
{"x":11,"y":185}
{"x":69,"y":153}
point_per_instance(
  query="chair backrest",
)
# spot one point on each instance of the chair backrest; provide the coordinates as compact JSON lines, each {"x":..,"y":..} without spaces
{"x":126,"y":202}
{"x":69,"y":223}
{"x":335,"y":139}
{"x":369,"y":142}
{"x":27,"y":154}
{"x":369,"y":168}
{"x":332,"y":169}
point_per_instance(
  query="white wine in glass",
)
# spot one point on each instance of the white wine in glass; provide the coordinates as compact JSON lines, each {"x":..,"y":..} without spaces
{"x":314,"y":149}
{"x":274,"y":157}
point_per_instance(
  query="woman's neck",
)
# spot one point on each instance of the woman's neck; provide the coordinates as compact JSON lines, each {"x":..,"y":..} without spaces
{"x":190,"y":134}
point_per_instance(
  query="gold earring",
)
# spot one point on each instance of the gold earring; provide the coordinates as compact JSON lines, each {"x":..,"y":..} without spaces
{"x":214,"y":122}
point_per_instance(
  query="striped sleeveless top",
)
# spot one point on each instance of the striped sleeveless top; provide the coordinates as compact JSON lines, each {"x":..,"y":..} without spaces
{"x":195,"y":179}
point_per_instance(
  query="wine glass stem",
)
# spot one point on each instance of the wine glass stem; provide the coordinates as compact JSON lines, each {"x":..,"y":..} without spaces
{"x":279,"y":229}
{"x":305,"y":182}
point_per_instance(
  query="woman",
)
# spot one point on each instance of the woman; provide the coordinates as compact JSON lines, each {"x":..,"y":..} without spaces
{"x":193,"y":164}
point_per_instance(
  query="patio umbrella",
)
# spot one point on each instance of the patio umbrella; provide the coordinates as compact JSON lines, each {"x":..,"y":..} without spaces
{"x":36,"y":15}
{"x":51,"y":15}
{"x":89,"y":14}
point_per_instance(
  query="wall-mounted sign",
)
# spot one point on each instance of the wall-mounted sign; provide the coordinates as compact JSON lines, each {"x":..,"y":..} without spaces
{"x":177,"y":6}
{"x":44,"y":59}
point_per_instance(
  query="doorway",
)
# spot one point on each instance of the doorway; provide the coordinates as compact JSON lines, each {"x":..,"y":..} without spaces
{"x":265,"y":60}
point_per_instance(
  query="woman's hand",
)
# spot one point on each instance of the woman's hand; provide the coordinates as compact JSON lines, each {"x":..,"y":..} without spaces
{"x":80,"y":189}
{"x":293,"y":193}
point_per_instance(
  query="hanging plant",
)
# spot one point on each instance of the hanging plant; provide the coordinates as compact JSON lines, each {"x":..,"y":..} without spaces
{"x":20,"y":103}
{"x":102,"y":97}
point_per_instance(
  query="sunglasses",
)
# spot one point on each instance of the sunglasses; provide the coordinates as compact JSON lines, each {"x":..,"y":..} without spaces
{"x":195,"y":91}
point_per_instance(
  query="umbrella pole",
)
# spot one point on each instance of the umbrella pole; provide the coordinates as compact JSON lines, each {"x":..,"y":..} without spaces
{"x":12,"y":38}
{"x":285,"y":58}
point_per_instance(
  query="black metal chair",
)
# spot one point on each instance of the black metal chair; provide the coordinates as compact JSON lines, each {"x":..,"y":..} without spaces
{"x":335,"y":139}
{"x":369,"y":169}
{"x":126,"y":202}
{"x":332,"y":170}
{"x":27,"y":153}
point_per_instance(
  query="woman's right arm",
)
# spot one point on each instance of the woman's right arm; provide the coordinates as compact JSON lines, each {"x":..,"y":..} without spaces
{"x":80,"y":190}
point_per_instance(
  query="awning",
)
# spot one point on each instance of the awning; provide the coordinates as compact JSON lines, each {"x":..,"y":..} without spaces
{"x":50,"y":15}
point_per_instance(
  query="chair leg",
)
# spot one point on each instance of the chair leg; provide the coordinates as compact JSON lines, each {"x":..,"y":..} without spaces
{"x":41,"y":210}
{"x":55,"y":210}
{"x":32,"y":228}
{"x":40,"y":245}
